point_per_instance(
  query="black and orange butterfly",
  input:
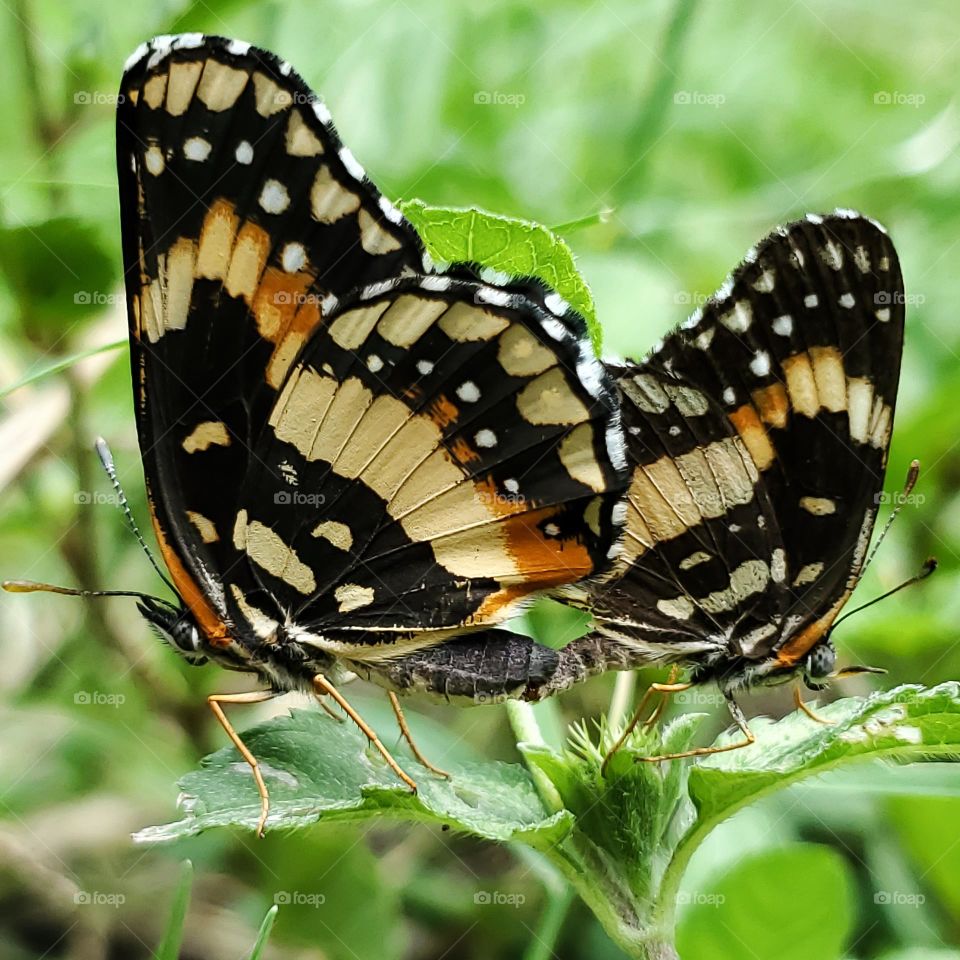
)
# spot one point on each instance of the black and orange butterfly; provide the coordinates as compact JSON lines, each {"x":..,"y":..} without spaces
{"x":352,"y":457}
{"x":758,"y":434}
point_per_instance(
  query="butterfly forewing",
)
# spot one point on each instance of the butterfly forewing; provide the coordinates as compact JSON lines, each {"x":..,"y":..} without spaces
{"x":758,"y":434}
{"x":319,"y":448}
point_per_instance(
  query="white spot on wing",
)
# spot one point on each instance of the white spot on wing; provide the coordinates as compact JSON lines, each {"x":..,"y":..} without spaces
{"x":846,"y":300}
{"x":556,"y":304}
{"x":437,"y":283}
{"x":738,"y":319}
{"x":389,"y":210}
{"x":244,"y":152}
{"x":274,"y":197}
{"x":293,"y":257}
{"x":197,"y":149}
{"x":136,"y":56}
{"x":468,"y":392}
{"x":760,"y":364}
{"x":350,"y":162}
{"x":485,"y":438}
{"x":499,"y":298}
{"x":153,"y":158}
{"x":783,"y":326}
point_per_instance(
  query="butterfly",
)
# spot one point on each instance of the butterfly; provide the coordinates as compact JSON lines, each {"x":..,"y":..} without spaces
{"x":757,"y":433}
{"x":356,"y":462}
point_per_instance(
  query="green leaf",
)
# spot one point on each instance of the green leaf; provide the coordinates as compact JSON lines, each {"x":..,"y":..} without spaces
{"x":169,"y":948}
{"x":317,"y":768}
{"x":792,"y":903}
{"x":517,"y":247}
{"x":907,"y":723}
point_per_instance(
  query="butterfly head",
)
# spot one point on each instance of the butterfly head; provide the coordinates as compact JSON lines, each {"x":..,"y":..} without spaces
{"x":819,"y":668}
{"x":177,"y":627}
{"x":820,"y":664}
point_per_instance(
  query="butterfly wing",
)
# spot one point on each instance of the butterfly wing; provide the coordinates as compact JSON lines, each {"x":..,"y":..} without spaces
{"x":245,"y":225}
{"x":450,"y":448}
{"x":237,"y":197}
{"x":758,"y":434}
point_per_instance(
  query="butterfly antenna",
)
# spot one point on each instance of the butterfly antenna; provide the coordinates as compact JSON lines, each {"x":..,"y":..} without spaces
{"x":929,"y":565}
{"x":913,"y":474}
{"x":106,"y":458}
{"x":32,"y":586}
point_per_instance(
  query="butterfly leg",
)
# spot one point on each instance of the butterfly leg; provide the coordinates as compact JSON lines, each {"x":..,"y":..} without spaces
{"x":323,"y":686}
{"x":738,"y":718}
{"x":330,"y":712}
{"x":809,"y":711}
{"x":254,"y":696}
{"x":408,"y":736}
{"x":657,"y":711}
{"x":665,"y":689}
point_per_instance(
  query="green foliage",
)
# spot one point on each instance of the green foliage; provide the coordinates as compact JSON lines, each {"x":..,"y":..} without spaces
{"x":515,"y":247}
{"x":317,"y":767}
{"x":622,"y":839}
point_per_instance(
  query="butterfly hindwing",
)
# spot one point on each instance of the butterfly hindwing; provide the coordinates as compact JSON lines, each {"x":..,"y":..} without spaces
{"x":758,"y":434}
{"x":450,"y":454}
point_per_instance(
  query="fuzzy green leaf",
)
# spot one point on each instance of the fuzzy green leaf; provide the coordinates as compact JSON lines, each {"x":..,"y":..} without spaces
{"x":513,"y":246}
{"x":316,"y":768}
{"x":907,"y":723}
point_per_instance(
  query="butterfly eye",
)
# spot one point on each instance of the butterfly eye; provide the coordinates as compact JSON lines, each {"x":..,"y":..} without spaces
{"x":821,"y":661}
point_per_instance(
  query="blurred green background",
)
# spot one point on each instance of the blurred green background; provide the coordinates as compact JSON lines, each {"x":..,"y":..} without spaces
{"x":681,"y":132}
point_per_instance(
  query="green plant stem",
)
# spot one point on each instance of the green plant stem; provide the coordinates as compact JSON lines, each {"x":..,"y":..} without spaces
{"x":551,"y":923}
{"x":648,"y":127}
{"x":169,"y":948}
{"x":623,"y":690}
{"x":525,"y":728}
{"x":264,"y":934}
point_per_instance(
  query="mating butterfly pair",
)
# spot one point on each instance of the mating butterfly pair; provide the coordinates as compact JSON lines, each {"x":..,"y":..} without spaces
{"x":359,"y":463}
